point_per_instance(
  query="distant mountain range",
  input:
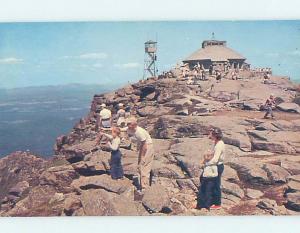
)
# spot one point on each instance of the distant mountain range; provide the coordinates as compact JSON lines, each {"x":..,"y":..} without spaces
{"x":32,"y":117}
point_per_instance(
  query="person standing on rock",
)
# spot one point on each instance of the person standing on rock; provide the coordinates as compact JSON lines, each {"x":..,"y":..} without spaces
{"x":116,"y":169}
{"x":121,"y":115}
{"x":269,"y":105}
{"x":213,"y":170}
{"x":203,"y":74}
{"x":208,"y":181}
{"x":104,"y":119}
{"x":127,"y":112}
{"x":211,"y":70}
{"x":217,"y":159}
{"x":218,"y":76}
{"x":145,"y":151}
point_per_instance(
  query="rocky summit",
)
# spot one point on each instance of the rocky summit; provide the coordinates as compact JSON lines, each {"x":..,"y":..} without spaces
{"x":262,"y":164}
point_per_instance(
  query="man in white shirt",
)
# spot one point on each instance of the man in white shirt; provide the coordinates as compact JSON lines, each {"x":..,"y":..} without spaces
{"x":145,"y":149}
{"x":104,"y":119}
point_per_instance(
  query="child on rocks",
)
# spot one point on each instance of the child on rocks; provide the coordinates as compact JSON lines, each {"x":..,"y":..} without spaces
{"x":116,"y":169}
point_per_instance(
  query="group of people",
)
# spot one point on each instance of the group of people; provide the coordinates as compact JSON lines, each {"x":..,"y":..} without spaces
{"x":198,"y":72}
{"x":262,"y":71}
{"x":209,"y":194}
{"x":126,"y":123}
{"x":105,"y":118}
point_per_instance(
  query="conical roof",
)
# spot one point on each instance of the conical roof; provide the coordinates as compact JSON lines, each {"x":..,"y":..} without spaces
{"x":214,"y":53}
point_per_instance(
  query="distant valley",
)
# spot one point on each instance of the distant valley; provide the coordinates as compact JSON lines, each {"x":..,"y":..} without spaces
{"x":31,"y":118}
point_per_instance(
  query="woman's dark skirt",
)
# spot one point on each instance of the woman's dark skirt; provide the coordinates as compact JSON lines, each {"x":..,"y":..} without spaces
{"x":206,"y":190}
{"x":116,"y":169}
{"x":210,"y":190}
{"x":218,"y":192}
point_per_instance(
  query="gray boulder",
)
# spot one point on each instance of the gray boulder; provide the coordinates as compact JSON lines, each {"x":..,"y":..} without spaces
{"x":294,"y":178}
{"x":275,"y":141}
{"x":271,"y":207}
{"x":293,"y":201}
{"x":101,"y":203}
{"x":186,"y":184}
{"x":167,"y":170}
{"x":267,"y":204}
{"x":232,"y":189}
{"x":71,"y":204}
{"x":289,"y":107}
{"x":156,"y":198}
{"x":102,"y":182}
{"x":251,"y":106}
{"x":146,"y":111}
{"x":253,"y":193}
{"x":230,"y":174}
{"x":250,"y":171}
{"x":60,"y":177}
{"x":19,"y":188}
{"x":293,"y":186}
{"x":291,"y":167}
{"x":276,"y":173}
{"x":183,"y":112}
{"x":77,"y":152}
{"x":189,"y":160}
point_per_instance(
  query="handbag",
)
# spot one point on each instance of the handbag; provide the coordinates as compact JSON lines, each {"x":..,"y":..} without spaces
{"x":210,"y":171}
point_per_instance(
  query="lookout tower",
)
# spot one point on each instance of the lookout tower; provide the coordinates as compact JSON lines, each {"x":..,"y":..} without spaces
{"x":150,"y":59}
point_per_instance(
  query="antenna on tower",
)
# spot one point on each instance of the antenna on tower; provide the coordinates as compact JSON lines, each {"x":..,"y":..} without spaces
{"x":150,"y":59}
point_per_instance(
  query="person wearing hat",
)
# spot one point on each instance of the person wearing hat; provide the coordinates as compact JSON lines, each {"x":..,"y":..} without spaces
{"x":269,"y":105}
{"x":121,"y":115}
{"x":145,"y":151}
{"x":209,"y":195}
{"x":105,"y":120}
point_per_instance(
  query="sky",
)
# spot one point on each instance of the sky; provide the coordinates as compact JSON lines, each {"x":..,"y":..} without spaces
{"x":37,"y":54}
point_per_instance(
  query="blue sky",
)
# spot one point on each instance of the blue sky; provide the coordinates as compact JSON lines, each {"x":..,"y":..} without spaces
{"x":35,"y":54}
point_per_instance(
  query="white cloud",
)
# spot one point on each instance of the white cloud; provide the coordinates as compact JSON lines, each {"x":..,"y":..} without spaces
{"x":83,"y":65}
{"x":93,"y":56}
{"x":129,"y":65}
{"x":88,"y":56}
{"x":66,"y":57}
{"x":272,"y":54}
{"x":10,"y":60}
{"x":97,"y":65}
{"x":168,"y":66}
{"x":295,"y":53}
{"x":16,"y":122}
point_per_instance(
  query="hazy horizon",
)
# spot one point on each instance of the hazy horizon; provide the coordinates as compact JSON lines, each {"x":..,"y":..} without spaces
{"x":112,"y":53}
{"x":110,"y":86}
{"x":32,"y":118}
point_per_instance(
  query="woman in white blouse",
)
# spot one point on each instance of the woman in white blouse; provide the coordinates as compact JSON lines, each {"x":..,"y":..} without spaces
{"x":217,"y":160}
{"x":209,"y":195}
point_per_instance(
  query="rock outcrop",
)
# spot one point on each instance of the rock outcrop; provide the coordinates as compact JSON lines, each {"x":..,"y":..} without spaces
{"x":262,"y":164}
